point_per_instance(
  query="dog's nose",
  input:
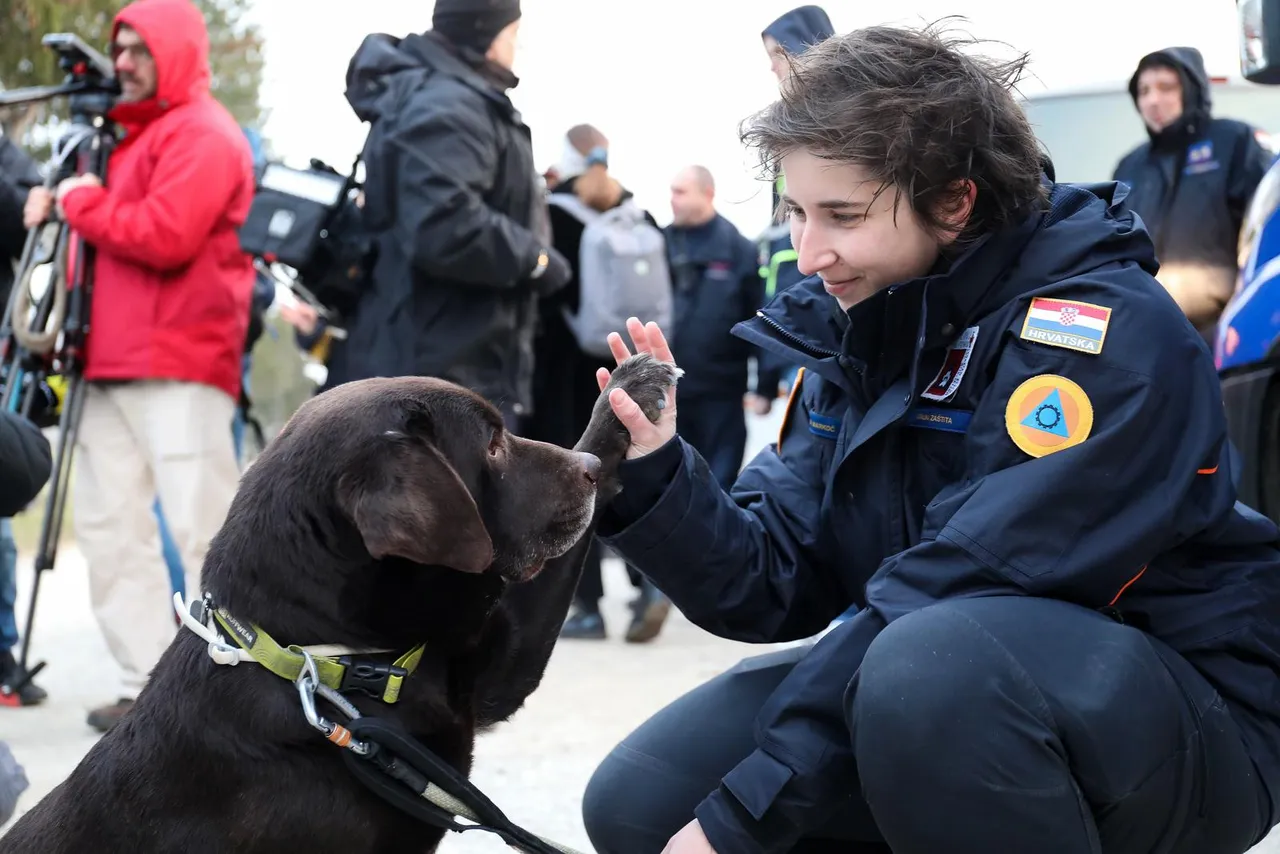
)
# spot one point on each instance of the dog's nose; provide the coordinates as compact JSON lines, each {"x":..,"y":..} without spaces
{"x":590,"y":466}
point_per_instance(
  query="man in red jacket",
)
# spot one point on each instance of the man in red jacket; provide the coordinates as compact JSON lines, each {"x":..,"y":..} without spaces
{"x":167,"y":328}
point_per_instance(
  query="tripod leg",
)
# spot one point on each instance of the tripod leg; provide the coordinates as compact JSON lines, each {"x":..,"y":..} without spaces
{"x":55,"y":503}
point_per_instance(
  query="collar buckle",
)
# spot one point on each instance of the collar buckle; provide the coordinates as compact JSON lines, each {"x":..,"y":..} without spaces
{"x":379,"y":681}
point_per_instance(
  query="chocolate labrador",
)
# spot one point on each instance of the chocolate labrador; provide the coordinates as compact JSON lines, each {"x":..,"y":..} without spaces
{"x":388,"y":514}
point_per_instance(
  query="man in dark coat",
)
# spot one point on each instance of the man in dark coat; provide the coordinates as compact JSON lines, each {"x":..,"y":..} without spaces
{"x":1191,"y":181}
{"x":454,"y":199}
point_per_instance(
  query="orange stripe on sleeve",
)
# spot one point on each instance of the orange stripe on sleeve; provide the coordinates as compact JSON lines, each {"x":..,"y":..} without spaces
{"x":1127,"y":585}
{"x":786,"y":413}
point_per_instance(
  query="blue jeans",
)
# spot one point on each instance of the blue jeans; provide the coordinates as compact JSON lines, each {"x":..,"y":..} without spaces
{"x":8,"y":587}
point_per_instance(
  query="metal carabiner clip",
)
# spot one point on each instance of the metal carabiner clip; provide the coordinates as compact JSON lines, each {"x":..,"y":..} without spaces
{"x":308,"y":679}
{"x":308,"y":682}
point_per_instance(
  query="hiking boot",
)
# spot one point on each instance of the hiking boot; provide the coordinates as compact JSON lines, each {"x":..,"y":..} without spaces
{"x":104,"y":718}
{"x":12,"y":673}
{"x":583,"y":625}
{"x":650,"y":610}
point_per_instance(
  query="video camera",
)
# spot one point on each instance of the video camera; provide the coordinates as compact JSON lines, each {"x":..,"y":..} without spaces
{"x":310,"y":220}
{"x":90,"y":84}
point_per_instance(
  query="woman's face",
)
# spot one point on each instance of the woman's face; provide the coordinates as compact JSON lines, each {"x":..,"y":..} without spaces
{"x":850,"y":230}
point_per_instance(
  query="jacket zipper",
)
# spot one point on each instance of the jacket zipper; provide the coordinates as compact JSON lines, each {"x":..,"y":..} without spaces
{"x":799,"y":343}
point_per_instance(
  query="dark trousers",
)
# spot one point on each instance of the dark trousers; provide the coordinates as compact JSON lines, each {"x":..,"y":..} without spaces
{"x":980,"y":725}
{"x":717,"y":430}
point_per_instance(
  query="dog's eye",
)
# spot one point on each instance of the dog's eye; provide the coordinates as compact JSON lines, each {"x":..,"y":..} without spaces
{"x":495,"y":444}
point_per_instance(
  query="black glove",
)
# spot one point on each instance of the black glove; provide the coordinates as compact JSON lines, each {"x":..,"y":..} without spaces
{"x":557,"y":274}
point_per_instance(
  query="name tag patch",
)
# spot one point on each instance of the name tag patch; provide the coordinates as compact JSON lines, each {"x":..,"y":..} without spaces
{"x":824,"y":426}
{"x":947,"y":382}
{"x":950,"y":420}
{"x":1073,"y":325}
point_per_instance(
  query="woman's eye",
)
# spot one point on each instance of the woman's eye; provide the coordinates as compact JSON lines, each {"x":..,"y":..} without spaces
{"x":847,"y":219}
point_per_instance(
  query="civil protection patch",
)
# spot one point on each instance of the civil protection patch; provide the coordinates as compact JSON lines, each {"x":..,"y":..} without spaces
{"x":1066,"y":323}
{"x":1048,"y":413}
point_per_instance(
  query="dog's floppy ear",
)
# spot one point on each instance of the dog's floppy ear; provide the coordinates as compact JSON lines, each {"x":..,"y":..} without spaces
{"x":407,"y":501}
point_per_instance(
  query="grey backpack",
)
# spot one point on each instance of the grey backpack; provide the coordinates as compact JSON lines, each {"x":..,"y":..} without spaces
{"x":622,"y":272}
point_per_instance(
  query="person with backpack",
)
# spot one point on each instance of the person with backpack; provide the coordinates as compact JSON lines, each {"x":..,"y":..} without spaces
{"x":617,"y":254}
{"x":456,"y":209}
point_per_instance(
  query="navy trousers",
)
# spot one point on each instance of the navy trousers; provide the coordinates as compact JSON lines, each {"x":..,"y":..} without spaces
{"x":980,"y":725}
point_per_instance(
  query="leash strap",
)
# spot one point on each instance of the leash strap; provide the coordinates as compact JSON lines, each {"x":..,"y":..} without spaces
{"x":403,"y":772}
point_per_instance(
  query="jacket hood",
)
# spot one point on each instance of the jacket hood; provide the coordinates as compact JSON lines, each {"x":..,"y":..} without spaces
{"x":1197,"y":94}
{"x":1082,"y":228}
{"x":379,"y":58}
{"x":800,"y":29}
{"x":377,"y":72}
{"x":175,"y":33}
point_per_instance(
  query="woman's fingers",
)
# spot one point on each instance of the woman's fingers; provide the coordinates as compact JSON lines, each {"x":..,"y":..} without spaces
{"x":639,"y":336}
{"x":618,"y":348}
{"x":658,"y":343}
{"x":630,"y":414}
{"x":602,"y":377}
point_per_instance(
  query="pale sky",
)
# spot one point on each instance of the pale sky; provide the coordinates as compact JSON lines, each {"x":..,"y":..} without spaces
{"x":669,"y":81}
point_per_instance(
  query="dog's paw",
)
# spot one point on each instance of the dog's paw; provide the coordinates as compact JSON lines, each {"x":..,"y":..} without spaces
{"x":646,"y":380}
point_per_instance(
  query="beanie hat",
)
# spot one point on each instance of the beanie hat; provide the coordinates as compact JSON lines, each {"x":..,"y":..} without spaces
{"x":473,"y":23}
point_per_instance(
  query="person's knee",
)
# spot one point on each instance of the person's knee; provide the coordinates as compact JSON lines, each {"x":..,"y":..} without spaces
{"x":933,"y":685}
{"x":616,"y":809}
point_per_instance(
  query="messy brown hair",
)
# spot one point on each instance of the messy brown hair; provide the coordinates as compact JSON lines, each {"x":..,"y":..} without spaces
{"x":921,"y":116}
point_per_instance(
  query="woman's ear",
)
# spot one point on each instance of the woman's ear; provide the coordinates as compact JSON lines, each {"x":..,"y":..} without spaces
{"x":955,"y":207}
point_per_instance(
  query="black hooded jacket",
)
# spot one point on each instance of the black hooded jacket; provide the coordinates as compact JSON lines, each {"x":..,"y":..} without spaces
{"x":452,"y":197}
{"x":1191,"y":184}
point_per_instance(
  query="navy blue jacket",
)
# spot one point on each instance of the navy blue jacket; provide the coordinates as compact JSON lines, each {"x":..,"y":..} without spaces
{"x":1191,"y":184}
{"x":1075,"y":449}
{"x":716,"y":286}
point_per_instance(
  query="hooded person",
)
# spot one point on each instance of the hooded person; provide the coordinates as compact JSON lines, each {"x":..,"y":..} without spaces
{"x":168,"y":320}
{"x":456,"y":209}
{"x":785,"y":39}
{"x":1191,"y":181}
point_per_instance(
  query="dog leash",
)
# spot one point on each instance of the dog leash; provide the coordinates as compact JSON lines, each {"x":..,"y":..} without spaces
{"x":380,"y":754}
{"x":404,"y":773}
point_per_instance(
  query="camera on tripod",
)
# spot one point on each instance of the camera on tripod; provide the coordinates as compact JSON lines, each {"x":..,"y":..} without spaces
{"x":90,"y":85}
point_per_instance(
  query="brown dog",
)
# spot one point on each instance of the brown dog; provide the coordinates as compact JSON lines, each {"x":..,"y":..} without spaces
{"x":389,"y":513}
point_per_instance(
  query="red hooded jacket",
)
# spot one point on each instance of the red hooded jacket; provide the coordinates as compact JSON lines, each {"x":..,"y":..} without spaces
{"x":172,"y":288}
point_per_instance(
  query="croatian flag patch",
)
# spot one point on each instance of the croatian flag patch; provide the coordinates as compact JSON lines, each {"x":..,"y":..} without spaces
{"x":1065,"y":323}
